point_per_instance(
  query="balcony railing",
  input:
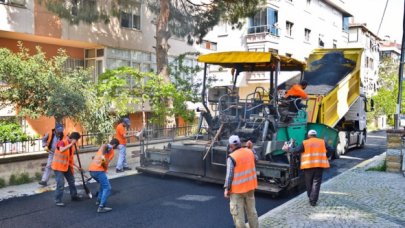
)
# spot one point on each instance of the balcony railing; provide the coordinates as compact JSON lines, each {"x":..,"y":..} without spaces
{"x":264,"y":29}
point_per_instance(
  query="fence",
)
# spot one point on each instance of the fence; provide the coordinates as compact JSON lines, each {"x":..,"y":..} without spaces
{"x":91,"y":139}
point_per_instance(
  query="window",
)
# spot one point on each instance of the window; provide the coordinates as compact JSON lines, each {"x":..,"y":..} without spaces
{"x":131,"y":18}
{"x":264,"y":21}
{"x":209,"y":45}
{"x":288,"y":27}
{"x":308,"y":3}
{"x":320,"y":41}
{"x":334,"y":43}
{"x":307,"y":35}
{"x":345,"y":24}
{"x":14,"y":2}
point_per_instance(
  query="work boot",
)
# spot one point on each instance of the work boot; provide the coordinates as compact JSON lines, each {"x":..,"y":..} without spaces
{"x":119,"y":170}
{"x":104,"y":209}
{"x":77,"y":198}
{"x":59,"y":204}
{"x":43,"y":183}
{"x":127,"y":168}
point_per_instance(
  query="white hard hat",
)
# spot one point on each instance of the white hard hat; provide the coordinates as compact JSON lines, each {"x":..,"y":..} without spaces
{"x":312,"y":133}
{"x":234,"y":139}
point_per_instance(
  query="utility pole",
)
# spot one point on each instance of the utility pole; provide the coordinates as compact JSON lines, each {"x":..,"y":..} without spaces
{"x":400,"y":74}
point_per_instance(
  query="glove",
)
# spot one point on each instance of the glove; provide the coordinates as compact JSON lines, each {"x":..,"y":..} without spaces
{"x":47,"y":149}
{"x":286,"y":148}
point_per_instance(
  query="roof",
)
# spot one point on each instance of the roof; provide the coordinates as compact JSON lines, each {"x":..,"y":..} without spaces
{"x":252,"y":61}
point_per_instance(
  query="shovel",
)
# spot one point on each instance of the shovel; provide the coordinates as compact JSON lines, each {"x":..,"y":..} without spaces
{"x":81,"y":172}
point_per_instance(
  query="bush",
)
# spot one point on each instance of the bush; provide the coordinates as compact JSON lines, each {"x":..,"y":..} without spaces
{"x":38,"y":176}
{"x":12,"y":132}
{"x":22,"y":178}
{"x":2,"y":183}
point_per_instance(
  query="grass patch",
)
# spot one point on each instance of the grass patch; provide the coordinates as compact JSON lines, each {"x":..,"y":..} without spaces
{"x":380,"y":168}
{"x":22,"y":178}
{"x":38,"y":176}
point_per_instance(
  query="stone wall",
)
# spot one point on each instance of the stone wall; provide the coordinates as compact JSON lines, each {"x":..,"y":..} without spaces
{"x":395,"y":150}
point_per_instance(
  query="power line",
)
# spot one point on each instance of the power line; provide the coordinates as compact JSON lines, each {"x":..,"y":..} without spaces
{"x":382,"y":18}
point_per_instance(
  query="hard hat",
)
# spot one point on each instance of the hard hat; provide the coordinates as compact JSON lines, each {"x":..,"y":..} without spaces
{"x":312,"y":133}
{"x":234,"y":139}
{"x":58,"y":127}
{"x":126,"y":121}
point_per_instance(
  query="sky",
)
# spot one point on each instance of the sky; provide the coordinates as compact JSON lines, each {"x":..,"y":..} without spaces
{"x":371,"y":12}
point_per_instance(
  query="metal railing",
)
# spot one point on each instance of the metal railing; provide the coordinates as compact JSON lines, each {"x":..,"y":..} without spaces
{"x":89,"y":139}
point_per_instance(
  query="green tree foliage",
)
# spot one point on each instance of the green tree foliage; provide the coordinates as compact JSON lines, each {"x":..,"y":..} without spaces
{"x":11,"y":132}
{"x":39,"y":86}
{"x":386,"y":99}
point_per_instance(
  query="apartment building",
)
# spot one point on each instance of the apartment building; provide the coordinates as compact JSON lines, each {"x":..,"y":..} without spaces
{"x":126,"y":40}
{"x":287,"y":27}
{"x":361,"y":37}
{"x":390,"y":49}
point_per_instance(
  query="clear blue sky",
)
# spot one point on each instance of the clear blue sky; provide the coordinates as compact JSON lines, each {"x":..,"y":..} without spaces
{"x":371,"y":12}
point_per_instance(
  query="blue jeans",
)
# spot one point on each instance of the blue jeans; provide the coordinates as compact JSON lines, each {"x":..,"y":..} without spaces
{"x":105,"y":187}
{"x":60,"y":184}
{"x":122,"y":157}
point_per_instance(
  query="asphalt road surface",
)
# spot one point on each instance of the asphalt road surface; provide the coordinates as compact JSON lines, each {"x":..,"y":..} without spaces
{"x":150,"y":201}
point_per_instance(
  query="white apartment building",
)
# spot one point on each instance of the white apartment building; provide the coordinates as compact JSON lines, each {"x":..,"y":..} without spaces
{"x":361,"y":37}
{"x":288,"y":27}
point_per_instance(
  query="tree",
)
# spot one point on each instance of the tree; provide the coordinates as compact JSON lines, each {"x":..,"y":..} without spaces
{"x":38,"y":86}
{"x":183,"y":18}
{"x":385,"y":100}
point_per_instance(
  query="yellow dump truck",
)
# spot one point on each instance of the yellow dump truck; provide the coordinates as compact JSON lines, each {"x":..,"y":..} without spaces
{"x":335,"y":94}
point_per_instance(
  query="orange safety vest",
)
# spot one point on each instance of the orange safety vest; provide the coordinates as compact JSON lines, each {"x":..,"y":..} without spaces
{"x":62,"y":160}
{"x":296,"y":91}
{"x":314,"y":155}
{"x":244,"y":176}
{"x":50,"y":138}
{"x":120,"y":134}
{"x":97,"y":163}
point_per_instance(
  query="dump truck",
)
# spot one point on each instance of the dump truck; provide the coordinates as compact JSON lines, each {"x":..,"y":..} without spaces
{"x":261,"y":116}
{"x":336,"y":97}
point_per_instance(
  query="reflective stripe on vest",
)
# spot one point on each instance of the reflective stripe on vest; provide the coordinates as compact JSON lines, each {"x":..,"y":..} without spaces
{"x":244,"y":178}
{"x":62,"y":160}
{"x":314,"y":155}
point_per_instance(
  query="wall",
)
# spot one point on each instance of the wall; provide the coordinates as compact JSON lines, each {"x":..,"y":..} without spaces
{"x":35,"y":162}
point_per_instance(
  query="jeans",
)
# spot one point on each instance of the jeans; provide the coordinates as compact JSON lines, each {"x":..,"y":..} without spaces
{"x":241,"y":202}
{"x":60,"y":184}
{"x":122,"y":157}
{"x":105,"y":187}
{"x":48,"y":169}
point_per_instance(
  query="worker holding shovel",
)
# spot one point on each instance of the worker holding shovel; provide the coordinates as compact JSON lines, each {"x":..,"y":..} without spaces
{"x":98,"y":168}
{"x":62,"y":164}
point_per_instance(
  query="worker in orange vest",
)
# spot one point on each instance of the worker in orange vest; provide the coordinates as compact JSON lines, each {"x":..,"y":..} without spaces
{"x":241,"y":182}
{"x":98,"y":168}
{"x":49,"y":142}
{"x":121,"y":134}
{"x":313,"y":160}
{"x":62,"y":164}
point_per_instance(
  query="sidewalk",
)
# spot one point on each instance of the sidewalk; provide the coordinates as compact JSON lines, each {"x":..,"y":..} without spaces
{"x":35,"y":188}
{"x":356,"y":198}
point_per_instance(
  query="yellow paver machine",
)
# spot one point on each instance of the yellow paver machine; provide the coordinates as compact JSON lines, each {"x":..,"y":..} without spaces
{"x":262,"y":115}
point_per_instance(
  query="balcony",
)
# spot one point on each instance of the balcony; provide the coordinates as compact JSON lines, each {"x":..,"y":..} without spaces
{"x":262,"y":33}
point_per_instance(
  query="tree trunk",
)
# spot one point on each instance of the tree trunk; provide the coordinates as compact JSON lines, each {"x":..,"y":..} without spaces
{"x":162,"y":49}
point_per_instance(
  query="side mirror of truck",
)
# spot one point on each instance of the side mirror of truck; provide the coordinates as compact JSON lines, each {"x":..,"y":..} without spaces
{"x":366,"y":103}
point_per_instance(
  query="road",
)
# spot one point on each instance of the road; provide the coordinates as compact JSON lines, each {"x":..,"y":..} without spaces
{"x":150,"y":201}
